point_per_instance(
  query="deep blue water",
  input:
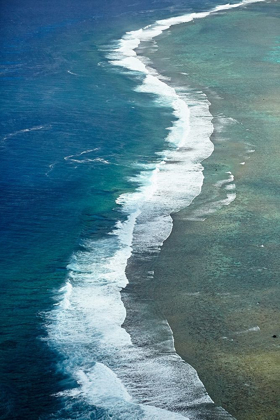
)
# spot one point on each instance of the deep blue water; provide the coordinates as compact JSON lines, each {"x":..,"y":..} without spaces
{"x":71,"y":128}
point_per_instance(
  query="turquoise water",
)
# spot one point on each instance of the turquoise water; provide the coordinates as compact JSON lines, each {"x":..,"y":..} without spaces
{"x":89,"y":156}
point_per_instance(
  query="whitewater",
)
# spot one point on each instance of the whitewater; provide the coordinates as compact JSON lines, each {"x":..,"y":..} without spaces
{"x":137,"y":375}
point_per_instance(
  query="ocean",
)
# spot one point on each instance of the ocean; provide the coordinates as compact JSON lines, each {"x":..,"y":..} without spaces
{"x":139,"y":232}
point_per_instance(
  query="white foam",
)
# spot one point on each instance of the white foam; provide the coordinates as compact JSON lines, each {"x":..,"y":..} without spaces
{"x":26,"y":130}
{"x":252,"y":329}
{"x":131,"y":40}
{"x":51,"y":168}
{"x":73,"y":158}
{"x":102,"y":388}
{"x":225,"y":181}
{"x":87,"y":328}
{"x":71,"y":72}
{"x":226,"y":186}
{"x":81,"y":153}
{"x":134,"y":379}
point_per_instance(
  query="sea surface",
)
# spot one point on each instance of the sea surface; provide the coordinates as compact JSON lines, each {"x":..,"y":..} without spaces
{"x":111,"y":114}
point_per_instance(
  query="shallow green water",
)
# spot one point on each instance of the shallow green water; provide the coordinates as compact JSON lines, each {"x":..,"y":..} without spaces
{"x":218,"y":279}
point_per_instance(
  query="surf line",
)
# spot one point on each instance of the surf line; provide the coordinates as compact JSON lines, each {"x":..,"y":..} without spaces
{"x":125,"y":55}
{"x":182,"y":132}
{"x":85,"y":326}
